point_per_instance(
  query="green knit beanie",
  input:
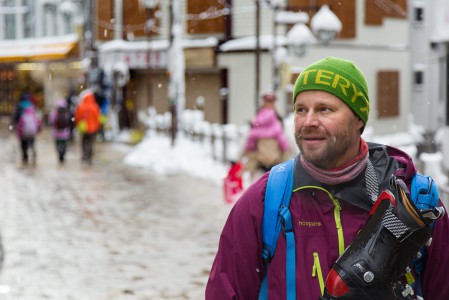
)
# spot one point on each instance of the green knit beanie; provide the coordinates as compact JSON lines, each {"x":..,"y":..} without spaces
{"x":339,"y":77}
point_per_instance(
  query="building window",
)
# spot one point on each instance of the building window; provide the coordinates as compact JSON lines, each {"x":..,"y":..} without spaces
{"x":418,"y":15}
{"x":10,"y":27}
{"x":49,"y":19}
{"x":9,"y":21}
{"x":387,"y":94}
{"x":418,"y":79}
{"x":67,"y":20}
{"x":29,"y":19}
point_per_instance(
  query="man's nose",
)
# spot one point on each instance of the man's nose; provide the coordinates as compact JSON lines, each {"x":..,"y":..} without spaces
{"x":311,"y":119}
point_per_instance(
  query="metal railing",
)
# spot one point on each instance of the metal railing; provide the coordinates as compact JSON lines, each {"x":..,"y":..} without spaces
{"x":224,"y":142}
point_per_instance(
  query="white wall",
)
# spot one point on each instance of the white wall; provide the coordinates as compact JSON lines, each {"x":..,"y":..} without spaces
{"x":242,"y":82}
{"x":429,"y":102}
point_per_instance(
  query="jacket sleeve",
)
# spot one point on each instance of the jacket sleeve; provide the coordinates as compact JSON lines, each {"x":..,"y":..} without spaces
{"x":436,"y":270}
{"x":237,"y":268}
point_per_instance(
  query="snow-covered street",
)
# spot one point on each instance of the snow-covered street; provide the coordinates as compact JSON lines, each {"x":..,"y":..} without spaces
{"x":106,"y":231}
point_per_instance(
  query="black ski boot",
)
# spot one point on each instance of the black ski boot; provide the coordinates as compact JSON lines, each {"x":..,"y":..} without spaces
{"x":372,"y":266}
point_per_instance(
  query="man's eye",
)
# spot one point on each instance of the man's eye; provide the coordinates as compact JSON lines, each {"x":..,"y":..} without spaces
{"x":325,"y":109}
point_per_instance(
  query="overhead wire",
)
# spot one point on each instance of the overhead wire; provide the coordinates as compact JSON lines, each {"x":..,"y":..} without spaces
{"x":211,"y":13}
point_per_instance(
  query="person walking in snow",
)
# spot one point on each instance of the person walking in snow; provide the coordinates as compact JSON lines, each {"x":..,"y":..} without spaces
{"x":60,"y":120}
{"x":28,"y":125}
{"x":87,"y":120}
{"x":266,"y":143}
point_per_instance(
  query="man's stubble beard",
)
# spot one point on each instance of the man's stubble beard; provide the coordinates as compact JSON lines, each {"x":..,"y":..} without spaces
{"x":325,"y":157}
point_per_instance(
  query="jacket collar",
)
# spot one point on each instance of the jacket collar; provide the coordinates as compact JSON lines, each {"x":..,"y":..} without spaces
{"x":386,"y":161}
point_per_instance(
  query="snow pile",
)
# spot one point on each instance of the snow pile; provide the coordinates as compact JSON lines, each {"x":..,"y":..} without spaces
{"x":156,"y":154}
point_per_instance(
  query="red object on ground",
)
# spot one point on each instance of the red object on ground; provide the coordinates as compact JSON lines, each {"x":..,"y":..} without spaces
{"x":233,"y":183}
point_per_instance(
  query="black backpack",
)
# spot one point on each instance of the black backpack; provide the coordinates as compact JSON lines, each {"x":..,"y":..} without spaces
{"x":62,"y":119}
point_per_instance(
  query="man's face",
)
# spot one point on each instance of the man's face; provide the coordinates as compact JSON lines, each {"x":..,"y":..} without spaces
{"x":327,"y":132}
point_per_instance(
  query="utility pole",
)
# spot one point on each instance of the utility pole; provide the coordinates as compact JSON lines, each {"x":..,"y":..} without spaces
{"x":176,"y":68}
{"x":171,"y":99}
{"x":257,"y":85}
{"x":88,"y":32}
{"x":274,"y":60}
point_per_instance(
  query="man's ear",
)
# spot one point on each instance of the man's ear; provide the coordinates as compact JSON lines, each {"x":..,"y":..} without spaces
{"x":360,"y":124}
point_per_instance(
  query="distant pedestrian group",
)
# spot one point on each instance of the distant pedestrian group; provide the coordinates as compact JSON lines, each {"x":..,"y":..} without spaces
{"x":67,"y":114}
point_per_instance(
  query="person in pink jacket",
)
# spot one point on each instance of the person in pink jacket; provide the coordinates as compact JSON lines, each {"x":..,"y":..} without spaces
{"x":266,"y":143}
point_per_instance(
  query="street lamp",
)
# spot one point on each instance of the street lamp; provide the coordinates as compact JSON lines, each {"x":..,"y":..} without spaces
{"x":325,"y":25}
{"x":299,"y":38}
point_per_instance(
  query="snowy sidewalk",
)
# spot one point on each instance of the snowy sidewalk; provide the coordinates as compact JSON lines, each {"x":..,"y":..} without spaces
{"x":106,"y":231}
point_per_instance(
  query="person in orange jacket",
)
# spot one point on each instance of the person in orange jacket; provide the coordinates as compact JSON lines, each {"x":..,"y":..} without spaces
{"x":87,"y":120}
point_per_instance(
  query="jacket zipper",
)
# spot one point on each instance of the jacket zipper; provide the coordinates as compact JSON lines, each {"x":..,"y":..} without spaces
{"x":341,"y":239}
{"x":337,"y":209}
{"x":316,"y":271}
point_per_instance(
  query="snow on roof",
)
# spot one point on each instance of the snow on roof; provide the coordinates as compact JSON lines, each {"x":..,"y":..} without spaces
{"x":249,"y":43}
{"x":440,"y":37}
{"x":69,"y":38}
{"x":290,"y":17}
{"x":122,"y":45}
{"x":37,"y":47}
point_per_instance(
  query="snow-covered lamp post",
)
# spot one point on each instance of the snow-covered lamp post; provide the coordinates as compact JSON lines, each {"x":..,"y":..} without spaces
{"x":325,"y":26}
{"x":299,"y":38}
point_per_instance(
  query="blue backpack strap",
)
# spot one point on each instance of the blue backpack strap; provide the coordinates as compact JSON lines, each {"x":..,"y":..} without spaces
{"x":276,"y":216}
{"x":424,"y":194}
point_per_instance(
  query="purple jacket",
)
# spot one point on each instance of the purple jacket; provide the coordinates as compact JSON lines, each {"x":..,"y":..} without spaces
{"x":62,"y":133}
{"x":266,"y":125}
{"x":238,"y":268}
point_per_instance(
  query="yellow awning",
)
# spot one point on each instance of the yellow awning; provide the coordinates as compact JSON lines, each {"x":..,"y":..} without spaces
{"x":41,"y":49}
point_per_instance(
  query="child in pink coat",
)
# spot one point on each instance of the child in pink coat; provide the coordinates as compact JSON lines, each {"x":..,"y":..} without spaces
{"x":266,"y":144}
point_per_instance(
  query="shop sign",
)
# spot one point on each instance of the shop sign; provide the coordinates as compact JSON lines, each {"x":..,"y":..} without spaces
{"x":136,"y":59}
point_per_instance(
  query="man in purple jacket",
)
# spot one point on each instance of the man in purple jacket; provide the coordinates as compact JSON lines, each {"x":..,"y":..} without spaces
{"x":330,"y":203}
